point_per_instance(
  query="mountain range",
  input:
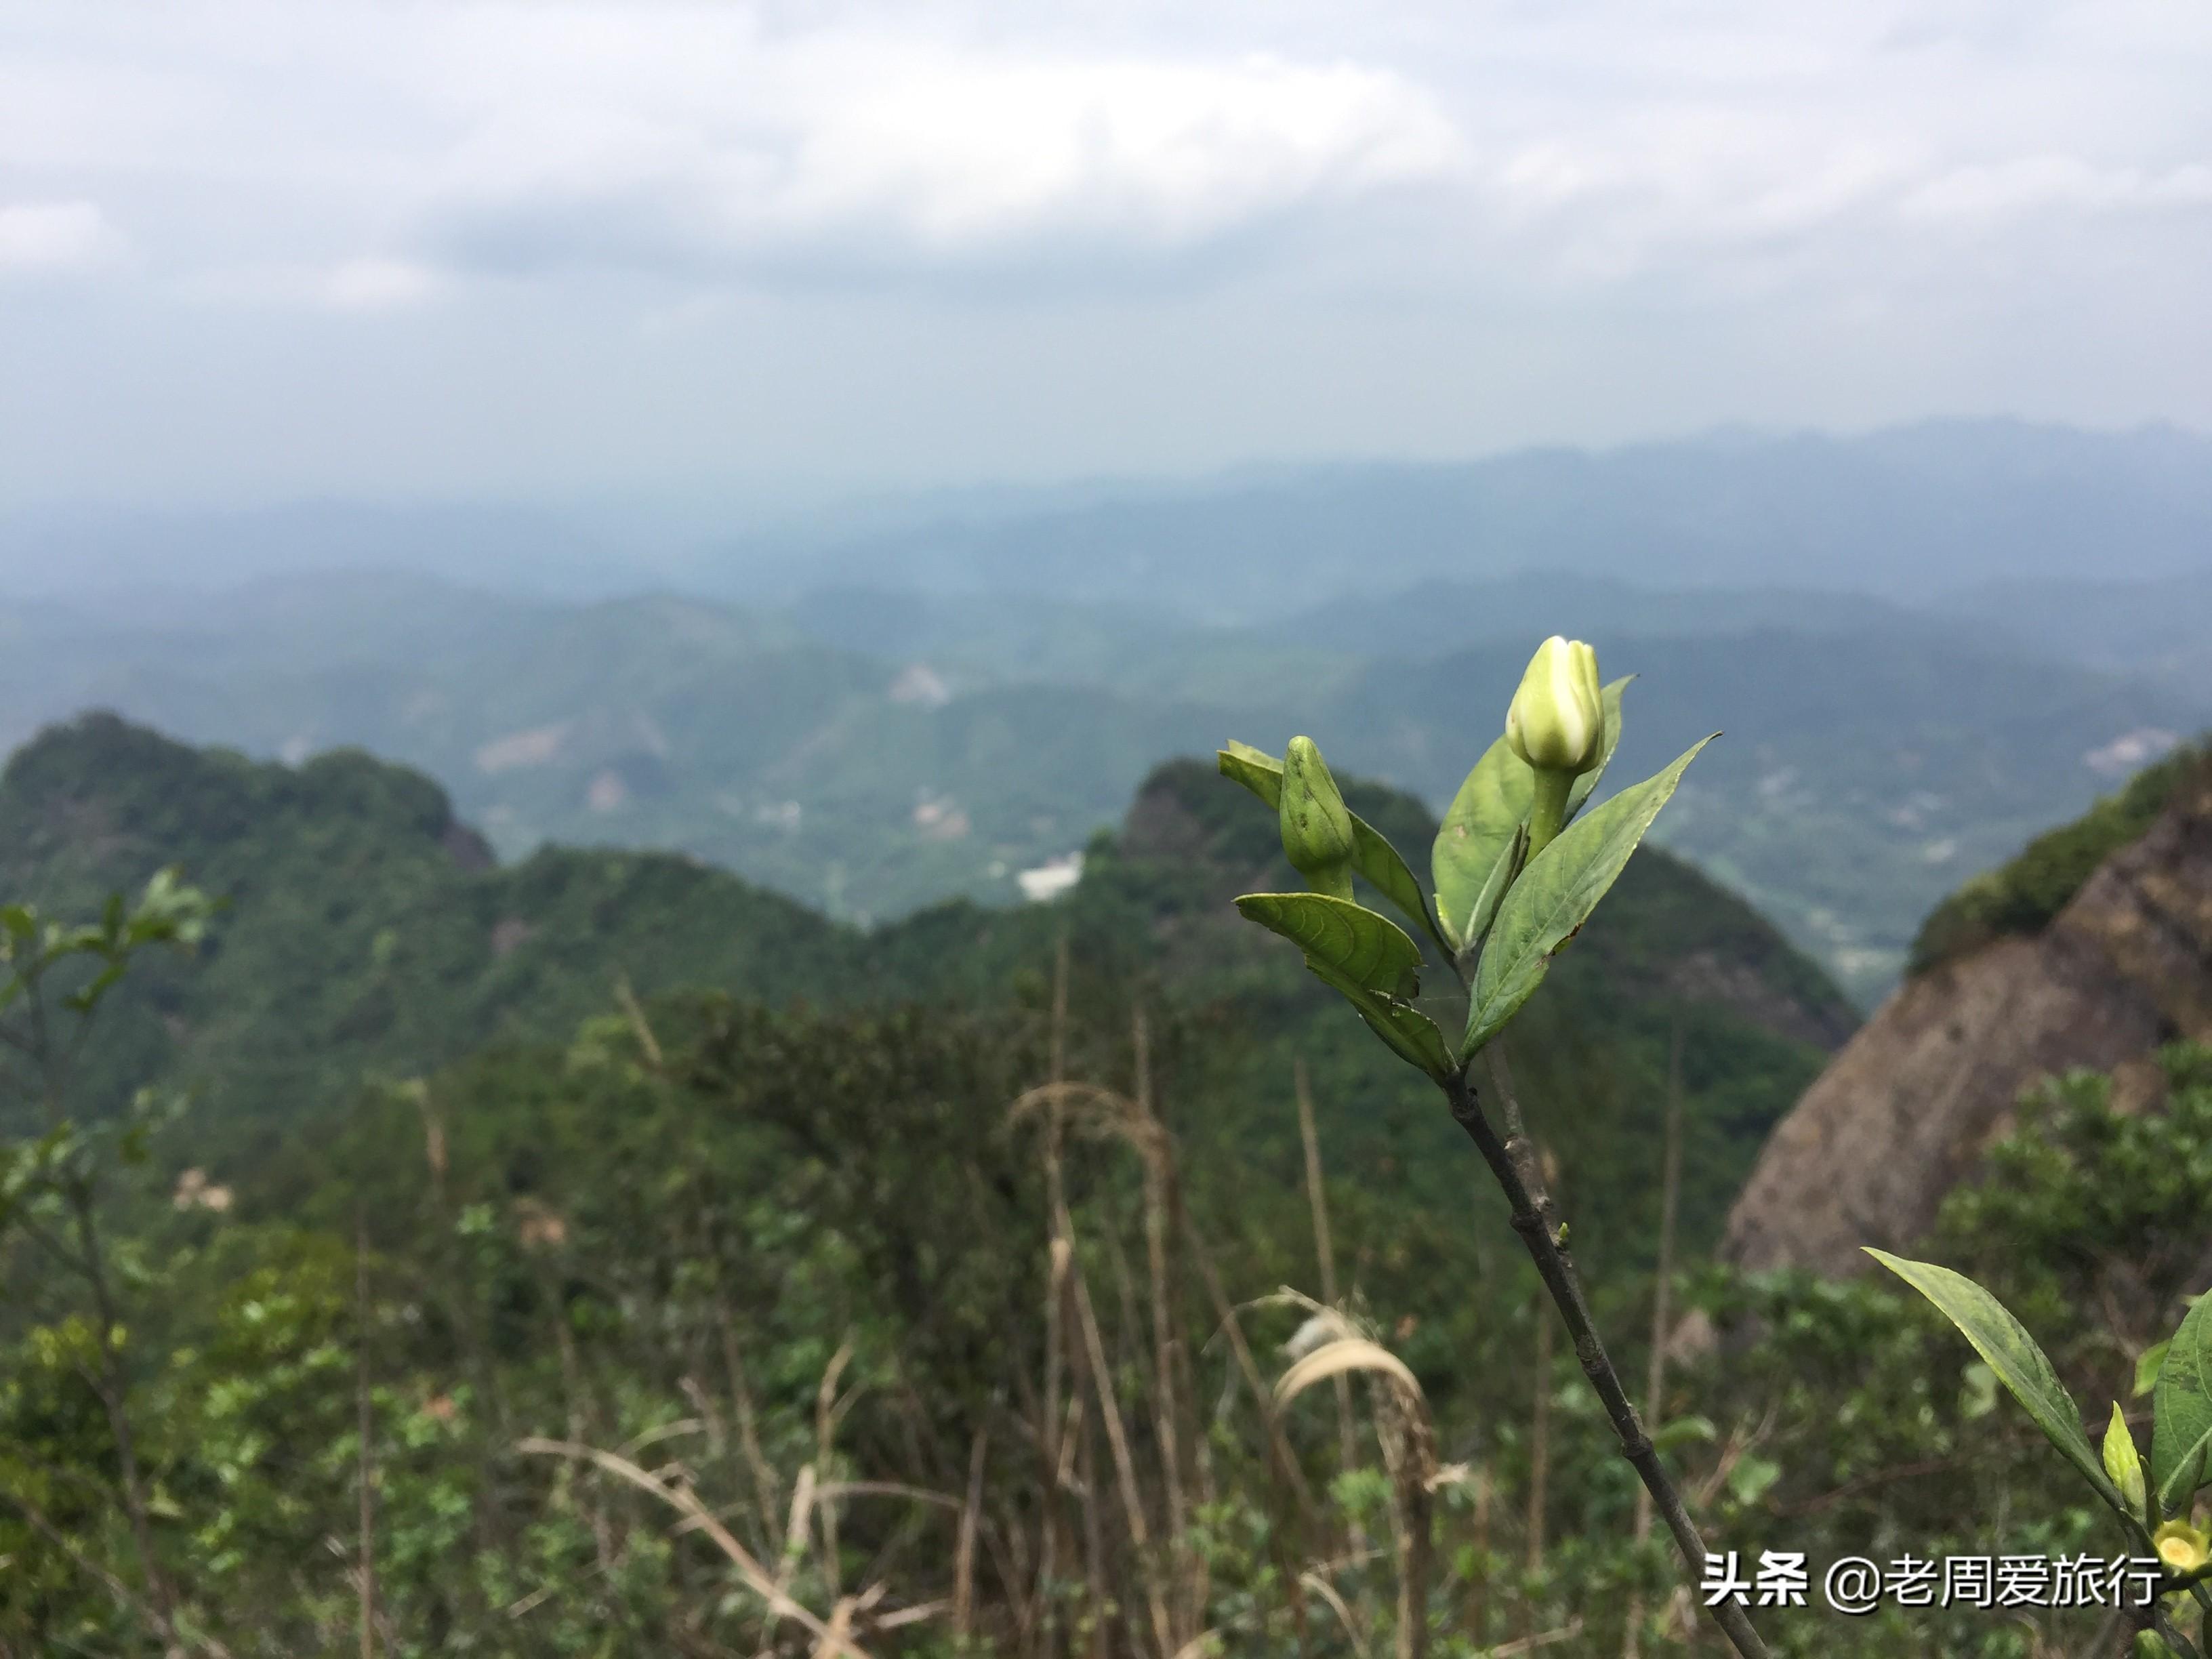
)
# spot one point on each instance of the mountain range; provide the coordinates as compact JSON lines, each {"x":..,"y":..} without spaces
{"x":1895,"y":632}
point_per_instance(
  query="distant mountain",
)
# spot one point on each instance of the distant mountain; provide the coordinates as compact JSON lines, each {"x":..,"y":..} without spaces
{"x":1875,"y":755}
{"x":2152,"y":629}
{"x":1908,"y":513}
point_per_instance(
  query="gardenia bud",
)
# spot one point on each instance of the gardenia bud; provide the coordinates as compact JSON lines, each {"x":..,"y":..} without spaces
{"x":2181,"y":1547}
{"x":1316,"y":824}
{"x":1557,"y":722}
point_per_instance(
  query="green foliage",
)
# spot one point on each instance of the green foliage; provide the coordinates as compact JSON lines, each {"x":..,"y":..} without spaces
{"x":2181,"y":1412}
{"x":1472,"y":858}
{"x":1365,"y":958}
{"x":1372,"y":854}
{"x":2018,"y":1363}
{"x":2025,"y":893}
{"x":659,"y":1226}
{"x":1479,"y":855}
{"x":1552,"y":899}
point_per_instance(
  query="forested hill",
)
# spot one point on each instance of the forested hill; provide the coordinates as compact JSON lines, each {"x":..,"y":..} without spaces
{"x":432,"y":1137}
{"x":368,"y":933}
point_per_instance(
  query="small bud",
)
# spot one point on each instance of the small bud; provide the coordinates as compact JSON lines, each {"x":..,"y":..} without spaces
{"x":2180,"y":1546}
{"x":1557,"y":722}
{"x":2124,"y":1464}
{"x":1316,"y":824}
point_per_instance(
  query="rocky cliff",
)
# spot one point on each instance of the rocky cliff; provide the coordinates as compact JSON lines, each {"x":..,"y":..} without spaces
{"x":1907,"y":1108}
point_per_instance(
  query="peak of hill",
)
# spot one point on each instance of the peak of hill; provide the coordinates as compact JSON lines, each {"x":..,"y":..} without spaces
{"x":2046,"y":967}
{"x":366,"y":928}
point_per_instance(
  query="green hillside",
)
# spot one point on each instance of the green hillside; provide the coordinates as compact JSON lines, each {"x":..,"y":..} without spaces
{"x":365,"y":928}
{"x":369,"y":933}
{"x":780,"y":1225}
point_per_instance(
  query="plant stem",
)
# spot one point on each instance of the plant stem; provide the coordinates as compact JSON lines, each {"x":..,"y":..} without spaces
{"x":1548,"y":813}
{"x":1557,"y":1273}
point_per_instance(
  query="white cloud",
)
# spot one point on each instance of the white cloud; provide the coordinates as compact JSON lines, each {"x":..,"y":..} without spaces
{"x":376,"y":284}
{"x":919,"y":237}
{"x":45,"y":236}
{"x":869,"y":149}
{"x":2048,"y":184}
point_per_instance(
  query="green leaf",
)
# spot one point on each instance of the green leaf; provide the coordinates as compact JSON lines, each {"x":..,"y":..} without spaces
{"x":1371,"y":950}
{"x":2146,"y":1364}
{"x":1368,"y":959}
{"x":2181,"y":1411}
{"x":1554,"y":897}
{"x":2012,"y":1354}
{"x":1372,"y":856}
{"x":2124,"y":1464}
{"x":1475,"y":838}
{"x":1470,"y":863}
{"x":1751,"y":1478}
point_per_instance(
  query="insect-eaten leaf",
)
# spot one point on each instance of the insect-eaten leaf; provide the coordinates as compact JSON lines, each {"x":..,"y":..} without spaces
{"x":1555,"y":896}
{"x":2020,"y":1365}
{"x":1368,"y":959}
{"x":1377,"y":862}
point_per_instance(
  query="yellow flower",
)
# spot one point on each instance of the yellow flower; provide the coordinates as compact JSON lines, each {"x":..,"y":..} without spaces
{"x":2181,"y":1547}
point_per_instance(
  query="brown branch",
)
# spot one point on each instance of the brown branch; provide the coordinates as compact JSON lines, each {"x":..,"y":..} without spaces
{"x":1545,"y":1246}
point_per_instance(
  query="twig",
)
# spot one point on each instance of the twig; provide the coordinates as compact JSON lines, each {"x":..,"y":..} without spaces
{"x":1557,"y":1273}
{"x":682,"y":1499}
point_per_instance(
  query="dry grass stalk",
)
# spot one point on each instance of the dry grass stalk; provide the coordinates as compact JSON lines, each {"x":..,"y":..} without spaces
{"x":1408,"y":1441}
{"x":1232,"y":1326}
{"x":1321,"y":1587}
{"x":964,"y":1554}
{"x":1049,"y":1418}
{"x":1125,"y":1467}
{"x":365,"y":1427}
{"x":1654,"y":1380}
{"x":1167,"y":1401}
{"x":1566,"y":1632}
{"x":680,"y":1498}
{"x":1325,"y":1257}
{"x":767,"y":1489}
{"x":829,"y":1411}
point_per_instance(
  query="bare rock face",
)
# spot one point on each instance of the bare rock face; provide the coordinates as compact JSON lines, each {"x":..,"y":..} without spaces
{"x":1906,"y":1108}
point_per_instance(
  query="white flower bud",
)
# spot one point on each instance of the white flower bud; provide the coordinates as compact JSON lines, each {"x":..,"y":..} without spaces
{"x":1557,"y":722}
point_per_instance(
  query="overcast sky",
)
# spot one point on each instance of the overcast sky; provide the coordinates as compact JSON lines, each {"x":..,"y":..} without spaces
{"x":250,"y":251}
